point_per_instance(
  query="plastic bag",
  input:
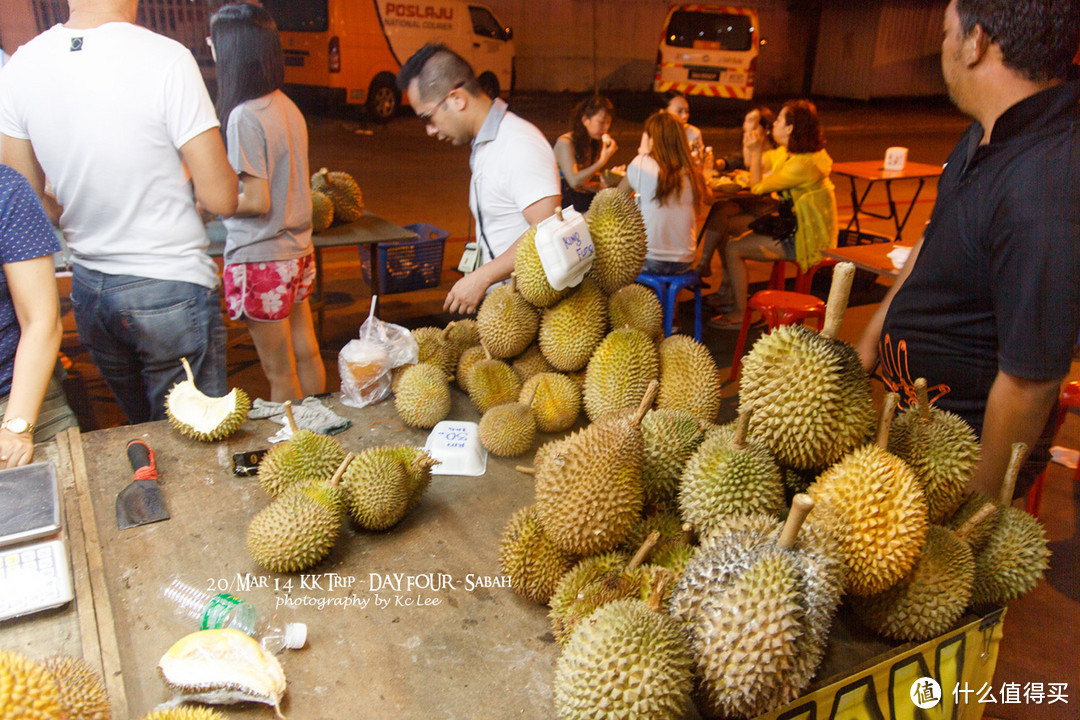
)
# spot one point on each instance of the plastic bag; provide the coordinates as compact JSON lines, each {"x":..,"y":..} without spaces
{"x":365,"y":364}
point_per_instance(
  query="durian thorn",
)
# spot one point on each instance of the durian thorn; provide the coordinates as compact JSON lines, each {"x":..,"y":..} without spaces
{"x":341,"y":469}
{"x":526,"y":470}
{"x":293,"y":427}
{"x":887,"y":412}
{"x":839,"y":292}
{"x":801,"y":505}
{"x":645,"y":549}
{"x":1008,"y":485}
{"x":922,"y":399}
{"x":646,"y":402}
{"x":661,"y":580}
{"x":980,"y":516}
{"x":743,"y":428}
{"x":688,"y":533}
{"x":187,"y":370}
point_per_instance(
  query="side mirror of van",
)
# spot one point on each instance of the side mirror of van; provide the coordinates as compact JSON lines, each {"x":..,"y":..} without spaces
{"x":508,"y":33}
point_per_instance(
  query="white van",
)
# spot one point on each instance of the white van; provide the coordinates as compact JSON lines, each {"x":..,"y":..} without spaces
{"x":354,"y":48}
{"x":708,"y":50}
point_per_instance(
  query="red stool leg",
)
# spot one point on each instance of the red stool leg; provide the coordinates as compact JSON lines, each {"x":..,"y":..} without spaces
{"x":740,"y":345}
{"x":779,"y":270}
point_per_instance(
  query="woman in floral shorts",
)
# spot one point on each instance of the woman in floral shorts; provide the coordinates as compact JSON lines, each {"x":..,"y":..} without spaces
{"x":269,"y":261}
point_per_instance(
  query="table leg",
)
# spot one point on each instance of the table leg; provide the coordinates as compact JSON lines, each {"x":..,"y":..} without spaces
{"x":373,"y":263}
{"x":321,"y":302}
{"x":901,"y":223}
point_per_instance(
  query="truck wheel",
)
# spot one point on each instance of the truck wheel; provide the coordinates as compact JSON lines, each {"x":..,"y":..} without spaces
{"x":489,"y":84}
{"x":383,"y":99}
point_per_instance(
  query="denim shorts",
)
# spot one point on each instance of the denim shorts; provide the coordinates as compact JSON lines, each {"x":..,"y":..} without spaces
{"x":138,"y":328}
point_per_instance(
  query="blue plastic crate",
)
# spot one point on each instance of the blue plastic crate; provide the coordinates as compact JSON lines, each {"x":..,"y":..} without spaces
{"x":410,"y":264}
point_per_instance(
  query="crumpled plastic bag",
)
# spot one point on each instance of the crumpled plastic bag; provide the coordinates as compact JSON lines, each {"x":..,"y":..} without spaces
{"x":365,"y":363}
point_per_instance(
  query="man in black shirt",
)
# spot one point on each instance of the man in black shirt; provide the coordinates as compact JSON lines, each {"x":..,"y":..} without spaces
{"x":988,"y":306}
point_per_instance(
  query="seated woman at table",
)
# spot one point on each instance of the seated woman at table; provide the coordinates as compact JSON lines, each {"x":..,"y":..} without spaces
{"x":675,"y":102}
{"x":32,"y":400}
{"x":670,"y":190}
{"x":798,"y":169}
{"x":269,"y":258}
{"x":584,"y":151}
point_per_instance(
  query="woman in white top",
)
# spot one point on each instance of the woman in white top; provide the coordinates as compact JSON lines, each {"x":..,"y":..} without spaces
{"x":670,"y":190}
{"x":584,"y":151}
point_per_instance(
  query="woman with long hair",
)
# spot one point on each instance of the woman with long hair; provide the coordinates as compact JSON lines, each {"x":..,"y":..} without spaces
{"x":670,"y":190}
{"x":585,"y":150}
{"x":798,"y":170}
{"x":269,"y":258}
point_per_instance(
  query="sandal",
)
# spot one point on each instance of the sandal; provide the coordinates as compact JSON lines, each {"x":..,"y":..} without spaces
{"x":724,"y":322}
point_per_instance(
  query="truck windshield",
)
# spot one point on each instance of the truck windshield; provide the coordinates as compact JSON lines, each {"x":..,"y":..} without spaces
{"x":706,"y":30}
{"x":298,"y":15}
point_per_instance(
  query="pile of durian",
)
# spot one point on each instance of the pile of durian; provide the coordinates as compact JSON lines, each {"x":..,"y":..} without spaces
{"x":674,"y":555}
{"x":335,"y":199}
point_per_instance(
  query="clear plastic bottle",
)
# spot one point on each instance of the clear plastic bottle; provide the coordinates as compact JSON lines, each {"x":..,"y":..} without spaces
{"x":222,"y":610}
{"x":708,"y":164}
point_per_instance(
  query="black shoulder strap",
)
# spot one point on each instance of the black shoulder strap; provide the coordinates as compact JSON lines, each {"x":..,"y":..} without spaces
{"x":480,"y":219}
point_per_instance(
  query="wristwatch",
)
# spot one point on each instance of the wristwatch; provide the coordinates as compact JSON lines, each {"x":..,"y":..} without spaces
{"x":17,"y":425}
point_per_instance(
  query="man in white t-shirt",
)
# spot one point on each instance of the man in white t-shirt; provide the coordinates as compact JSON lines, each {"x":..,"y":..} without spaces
{"x":119,"y":121}
{"x":515,"y":181}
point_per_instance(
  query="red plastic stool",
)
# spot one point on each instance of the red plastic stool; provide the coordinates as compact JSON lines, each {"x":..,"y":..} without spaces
{"x":803,"y":280}
{"x":777,"y":307}
{"x":1070,"y":398}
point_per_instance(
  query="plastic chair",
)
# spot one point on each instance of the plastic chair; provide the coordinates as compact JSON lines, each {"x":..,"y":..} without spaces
{"x":777,"y":280}
{"x":1070,"y":398}
{"x":777,"y":307}
{"x":667,"y":289}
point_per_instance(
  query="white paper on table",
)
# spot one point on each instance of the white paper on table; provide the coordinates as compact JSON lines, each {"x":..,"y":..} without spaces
{"x":899,"y":256}
{"x":1065,"y":456}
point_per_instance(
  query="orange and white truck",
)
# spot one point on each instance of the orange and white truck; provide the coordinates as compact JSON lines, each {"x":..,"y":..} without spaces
{"x":708,"y":50}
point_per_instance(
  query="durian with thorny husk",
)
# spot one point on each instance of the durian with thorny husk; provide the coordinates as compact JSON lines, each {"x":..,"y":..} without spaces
{"x":299,"y":527}
{"x":186,"y":712}
{"x":532,"y":280}
{"x":343,"y":192}
{"x":571,"y":330}
{"x":492,"y":382}
{"x":381,"y":483}
{"x":468,"y":360}
{"x":509,"y":429}
{"x":758,"y":599}
{"x":322,"y":211}
{"x":635,"y":306}
{"x":618,"y":234}
{"x":675,"y":540}
{"x":27,"y":690}
{"x":463,"y":334}
{"x":557,"y":402}
{"x":689,"y":378}
{"x":730,"y":474}
{"x":588,"y":491}
{"x":507,"y":322}
{"x":671,"y":438}
{"x":929,"y":600}
{"x":940,"y":448}
{"x":1015,"y":555}
{"x":630,"y":660}
{"x":809,"y":390}
{"x":418,"y":464}
{"x":202,"y":417}
{"x":306,"y":456}
{"x":619,"y":371}
{"x":531,"y":362}
{"x":527,"y":556}
{"x":436,"y":349}
{"x":82,"y":693}
{"x":878,"y":506}
{"x":422,"y":398}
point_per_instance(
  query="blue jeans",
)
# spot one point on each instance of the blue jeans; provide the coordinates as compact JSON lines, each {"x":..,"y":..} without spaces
{"x":138,"y":328}
{"x":665,"y":267}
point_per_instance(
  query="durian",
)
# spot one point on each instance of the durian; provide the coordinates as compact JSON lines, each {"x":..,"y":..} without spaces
{"x":418,"y":464}
{"x":531,"y":362}
{"x":306,"y":456}
{"x":810,"y":393}
{"x":434,"y":347}
{"x":299,"y":528}
{"x":469,"y":357}
{"x":571,"y":330}
{"x":186,"y":712}
{"x":492,"y":382}
{"x":527,"y":556}
{"x":27,"y":690}
{"x":674,"y":544}
{"x":940,"y":448}
{"x":509,"y":429}
{"x":619,"y":371}
{"x":531,"y":279}
{"x":322,"y":211}
{"x":463,"y":334}
{"x":556,"y":403}
{"x":618,"y":234}
{"x":422,"y":398}
{"x":507,"y":322}
{"x":203,"y":417}
{"x":343,"y":192}
{"x":689,"y":378}
{"x":671,"y":437}
{"x":82,"y":693}
{"x":636,"y":306}
{"x":378,"y":488}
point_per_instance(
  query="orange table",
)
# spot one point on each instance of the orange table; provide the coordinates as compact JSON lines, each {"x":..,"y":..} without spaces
{"x":872,"y":172}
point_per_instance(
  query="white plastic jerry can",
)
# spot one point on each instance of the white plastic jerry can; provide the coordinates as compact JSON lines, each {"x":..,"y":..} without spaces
{"x":565,"y":248}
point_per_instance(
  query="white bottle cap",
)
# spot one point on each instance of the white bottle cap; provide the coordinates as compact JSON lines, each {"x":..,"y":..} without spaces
{"x":295,"y":635}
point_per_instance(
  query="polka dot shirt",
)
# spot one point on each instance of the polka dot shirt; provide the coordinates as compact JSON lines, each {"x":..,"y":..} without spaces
{"x":25,"y":233}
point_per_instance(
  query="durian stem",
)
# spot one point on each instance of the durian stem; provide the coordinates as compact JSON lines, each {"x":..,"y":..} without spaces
{"x":660,"y":584}
{"x":970,"y":524}
{"x":531,"y":396}
{"x":1008,"y":485}
{"x":837,"y":304}
{"x":645,"y":549}
{"x":486,"y":351}
{"x":922,"y":399}
{"x":558,"y":213}
{"x":801,"y":505}
{"x":445,"y":334}
{"x":513,"y":283}
{"x":887,"y":413}
{"x":743,"y":428}
{"x":646,"y":402}
{"x":187,"y":370}
{"x":525,"y":470}
{"x":688,"y":533}
{"x":293,"y":427}
{"x":325,"y":173}
{"x":341,"y":469}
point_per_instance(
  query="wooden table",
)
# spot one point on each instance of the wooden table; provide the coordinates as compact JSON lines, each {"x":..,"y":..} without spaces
{"x":873,"y":257}
{"x":873,"y":172}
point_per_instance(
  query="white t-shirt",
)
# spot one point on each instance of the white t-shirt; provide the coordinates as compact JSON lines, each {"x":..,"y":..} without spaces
{"x":669,"y":228}
{"x":512,"y":167}
{"x":107,"y":110}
